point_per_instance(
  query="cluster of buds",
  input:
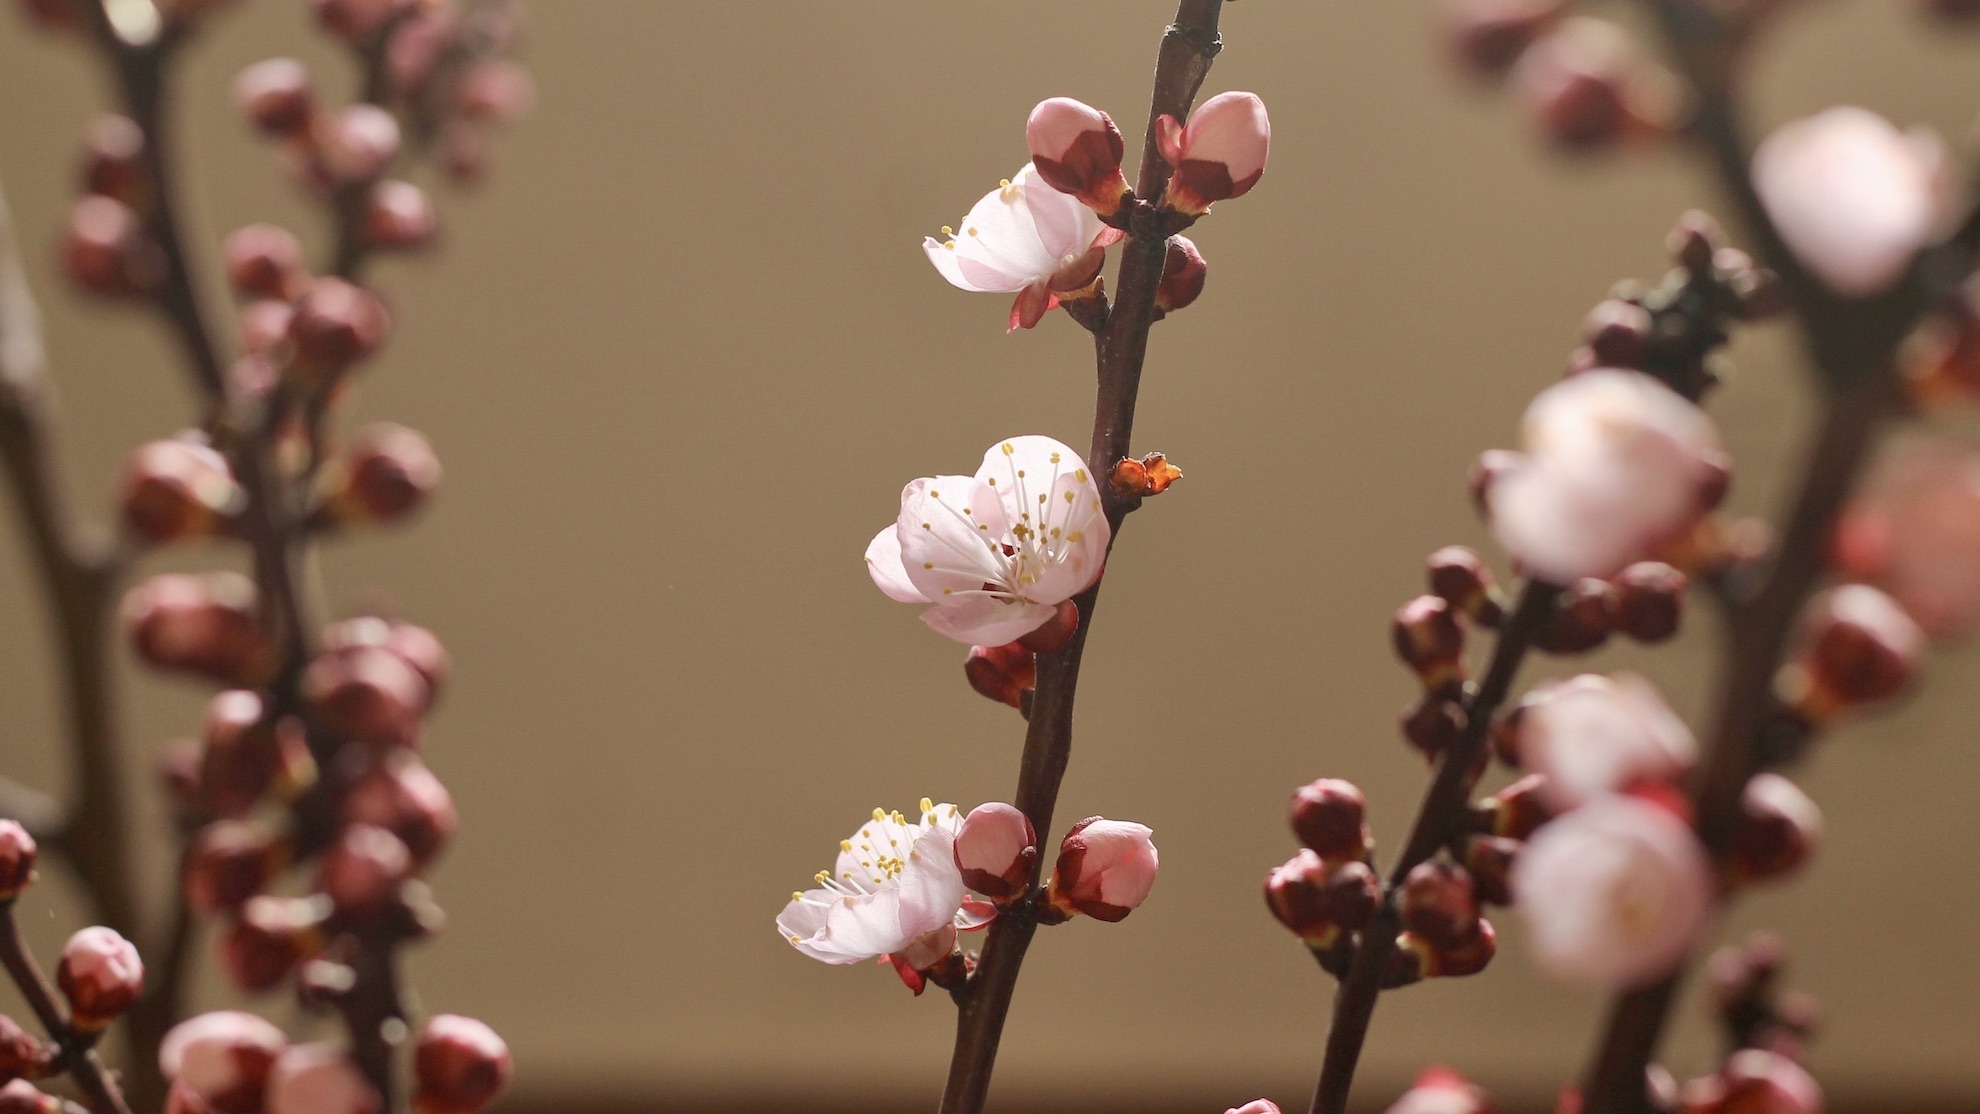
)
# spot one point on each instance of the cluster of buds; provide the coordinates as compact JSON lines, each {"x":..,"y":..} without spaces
{"x":1328,"y":891}
{"x":229,"y":1062}
{"x":108,"y":248}
{"x":1583,"y":82}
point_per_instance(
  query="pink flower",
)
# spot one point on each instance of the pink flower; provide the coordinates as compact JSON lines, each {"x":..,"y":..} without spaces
{"x":1915,"y":532}
{"x":1594,"y":735}
{"x":1106,"y":868}
{"x":1024,"y":238}
{"x":1613,"y":893}
{"x":1077,"y":149}
{"x":1255,"y":1106}
{"x":1615,"y":463}
{"x":1219,"y":153}
{"x":222,"y":1057}
{"x":895,"y":888}
{"x":995,"y":850}
{"x":995,"y":553}
{"x":1854,"y":198}
{"x":1442,"y":1091}
{"x":319,"y":1079}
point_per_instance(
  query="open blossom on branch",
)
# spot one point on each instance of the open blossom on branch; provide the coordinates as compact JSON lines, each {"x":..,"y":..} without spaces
{"x":1615,"y":464}
{"x":1024,"y":238}
{"x":895,"y":888}
{"x":995,"y":553}
{"x":1854,"y":198}
{"x":1915,"y":532}
{"x":1613,"y":893}
{"x":1594,"y":735}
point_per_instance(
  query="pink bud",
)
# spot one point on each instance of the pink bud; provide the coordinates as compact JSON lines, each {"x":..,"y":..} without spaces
{"x":403,"y":797}
{"x":275,"y":96}
{"x":1255,"y":1106}
{"x":101,"y":975}
{"x":1777,"y":829}
{"x":200,"y":623}
{"x":108,"y":251}
{"x":1915,"y":529}
{"x":1762,"y":1082}
{"x":1442,"y":1091}
{"x":1077,"y":150}
{"x":264,"y":261}
{"x":1614,"y":893}
{"x":178,"y":489}
{"x":389,"y":473}
{"x":461,"y":1064}
{"x":271,"y":937}
{"x":359,"y":144}
{"x":17,"y":858}
{"x":399,"y":215}
{"x":113,"y":160}
{"x":1220,"y":153}
{"x":21,"y":1056}
{"x":223,"y":1058}
{"x":337,"y":324}
{"x":318,"y":1079}
{"x":1859,"y":647}
{"x":996,"y":849}
{"x":1105,"y":870}
{"x":1316,"y":899}
{"x":362,"y":872}
{"x":229,"y":862}
{"x":367,"y":693}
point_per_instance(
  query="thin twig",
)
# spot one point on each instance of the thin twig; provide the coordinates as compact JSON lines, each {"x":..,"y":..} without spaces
{"x":1188,"y":46}
{"x":1443,"y":807}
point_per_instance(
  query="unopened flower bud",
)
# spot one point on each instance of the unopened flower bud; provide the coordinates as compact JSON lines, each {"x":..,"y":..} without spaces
{"x":461,"y":1065}
{"x":1489,"y":860}
{"x":1433,"y":725}
{"x":1438,"y":903}
{"x":222,"y":1059}
{"x":1755,"y":1081}
{"x":1052,"y":635}
{"x":178,"y":489}
{"x":359,"y":143}
{"x":18,"y":854}
{"x":107,"y":250}
{"x":101,"y":975}
{"x":1488,"y":36}
{"x":1462,"y":579}
{"x":22,"y":1097}
{"x":388,"y":473}
{"x":1139,"y":479}
{"x":1647,"y":601}
{"x":362,"y":871}
{"x":1618,"y":334}
{"x":113,"y":160}
{"x":1183,"y":272}
{"x":319,"y":1079}
{"x":199,"y":623}
{"x":1581,"y":619}
{"x":1105,"y":869}
{"x":264,"y":326}
{"x":995,"y":850}
{"x":246,"y":758}
{"x":1002,"y":673}
{"x":366,"y":693}
{"x":1256,"y":1106}
{"x":275,"y":96}
{"x":21,"y":1056}
{"x":1442,"y":1091}
{"x":402,"y":796}
{"x":1588,"y":91}
{"x":398,"y":215}
{"x":337,"y":324}
{"x":1520,"y":808}
{"x":265,"y":261}
{"x":1330,"y":817}
{"x":1859,"y":648}
{"x":495,"y":90}
{"x":1219,"y":153}
{"x":1317,"y":900}
{"x":1077,"y":150}
{"x":1777,"y":830}
{"x":1450,"y":960}
{"x":271,"y":937}
{"x":1429,"y":639}
{"x":229,"y":862}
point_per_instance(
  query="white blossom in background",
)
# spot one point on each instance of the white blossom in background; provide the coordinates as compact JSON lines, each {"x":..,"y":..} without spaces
{"x":1024,"y":238}
{"x":1613,"y":894}
{"x":1915,"y":532}
{"x":994,"y":554}
{"x":895,"y":888}
{"x":1615,"y":464}
{"x":1594,"y":735}
{"x":1854,"y":198}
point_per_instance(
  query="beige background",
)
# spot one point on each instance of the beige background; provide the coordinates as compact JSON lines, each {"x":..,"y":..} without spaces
{"x":682,"y":353}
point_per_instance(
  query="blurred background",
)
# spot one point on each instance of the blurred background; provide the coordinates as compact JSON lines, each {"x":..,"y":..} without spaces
{"x":680,"y":353}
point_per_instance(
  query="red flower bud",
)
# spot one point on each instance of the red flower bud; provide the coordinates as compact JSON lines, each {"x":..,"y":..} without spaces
{"x":1581,"y":619}
{"x":1489,"y":860}
{"x":358,"y":144}
{"x":199,"y":623}
{"x":1520,"y":808}
{"x":229,"y":862}
{"x":1105,"y":869}
{"x":1777,"y":830}
{"x":21,"y":1056}
{"x":1858,"y":648}
{"x":366,"y":693}
{"x":101,"y":975}
{"x":1220,"y":153}
{"x":319,"y":1079}
{"x":361,"y":873}
{"x":178,"y":489}
{"x":461,"y":1066}
{"x":113,"y":160}
{"x":336,"y":325}
{"x":18,"y":854}
{"x":276,"y":96}
{"x":1433,"y":725}
{"x":1330,"y":817}
{"x":1438,"y":903}
{"x":1317,"y":900}
{"x":995,"y":850}
{"x":108,"y":251}
{"x":220,"y":1061}
{"x":264,"y":261}
{"x":402,"y":796}
{"x":1488,"y":36}
{"x":271,"y":937}
{"x":1183,"y":272}
{"x":1648,"y":601}
{"x":1077,"y":150}
{"x":1463,"y":580}
{"x":1430,"y":641}
{"x":388,"y":473}
{"x":398,"y":215}
{"x":1587,"y":91}
{"x":1002,"y":673}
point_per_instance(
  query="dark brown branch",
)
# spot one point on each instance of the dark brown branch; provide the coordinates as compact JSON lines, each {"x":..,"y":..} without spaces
{"x":77,"y":1055}
{"x":1444,"y":805}
{"x":1188,"y":46}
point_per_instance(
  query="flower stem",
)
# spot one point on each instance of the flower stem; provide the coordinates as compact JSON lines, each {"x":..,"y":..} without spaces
{"x":1188,"y":46}
{"x":1442,"y":809}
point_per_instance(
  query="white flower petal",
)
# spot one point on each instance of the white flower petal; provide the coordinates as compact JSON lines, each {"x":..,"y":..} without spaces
{"x":883,"y":564}
{"x":949,"y":529}
{"x":983,"y":621}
